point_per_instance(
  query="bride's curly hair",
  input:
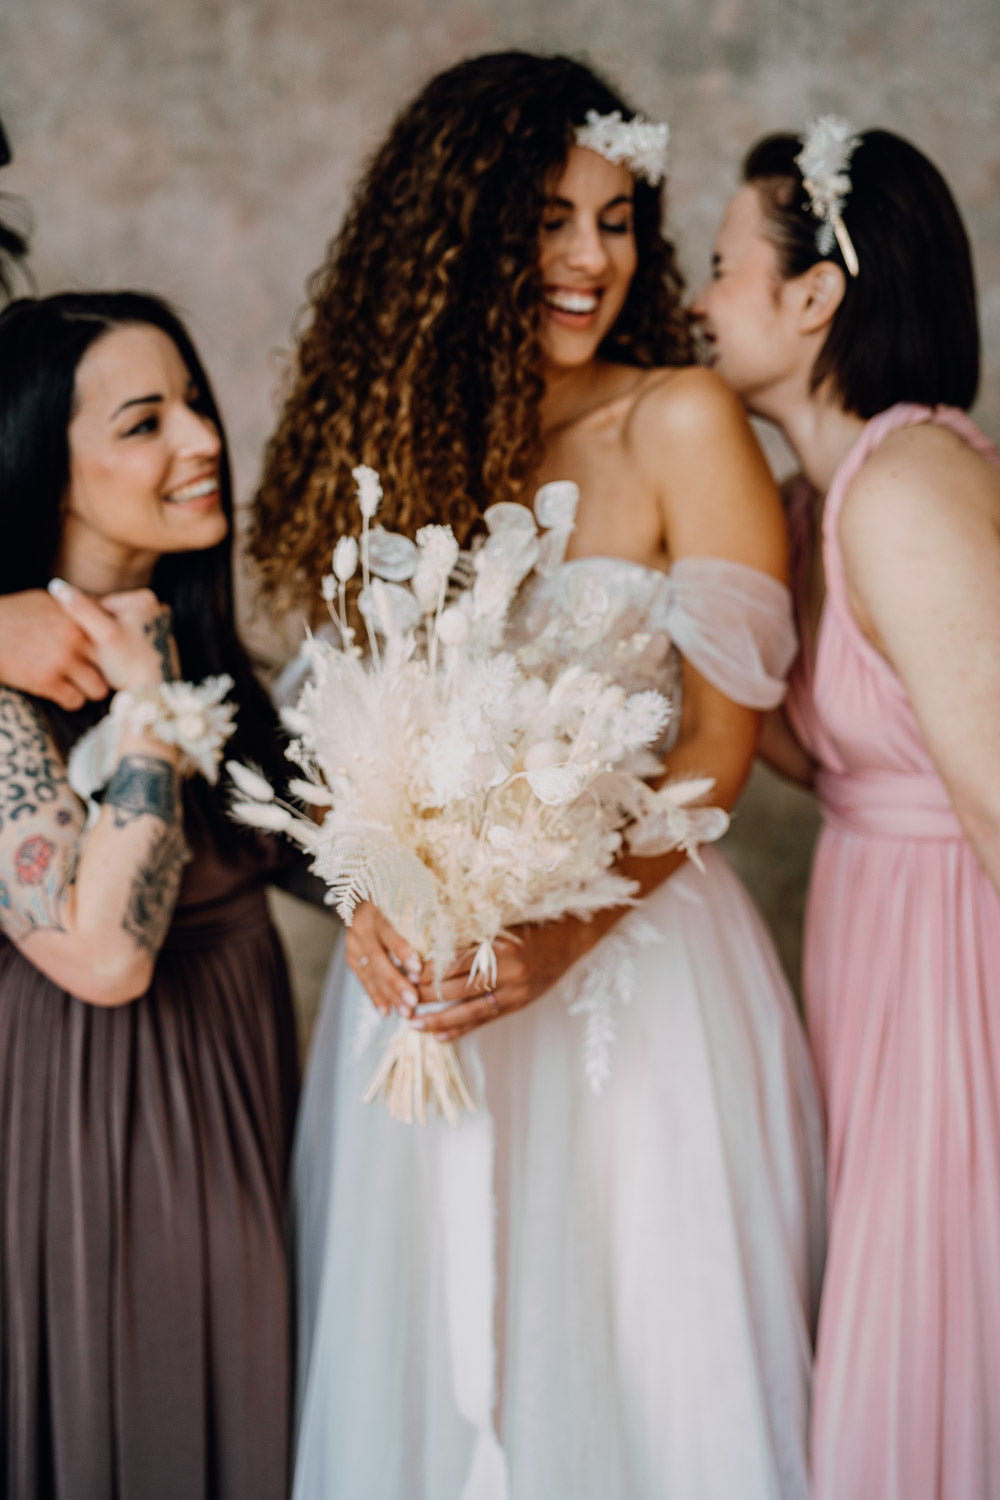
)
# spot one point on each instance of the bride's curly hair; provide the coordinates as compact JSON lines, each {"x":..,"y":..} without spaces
{"x":421,"y":354}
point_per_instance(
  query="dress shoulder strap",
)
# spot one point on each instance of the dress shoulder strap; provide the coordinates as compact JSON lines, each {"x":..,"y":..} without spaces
{"x":903,"y":414}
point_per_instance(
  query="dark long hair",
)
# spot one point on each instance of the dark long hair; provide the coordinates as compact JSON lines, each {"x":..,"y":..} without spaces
{"x":13,"y":236}
{"x":421,"y":356}
{"x":42,"y":342}
{"x":907,"y":328}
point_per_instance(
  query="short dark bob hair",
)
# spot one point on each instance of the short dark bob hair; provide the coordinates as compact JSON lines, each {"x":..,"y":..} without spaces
{"x":42,"y":341}
{"x":907,"y":328}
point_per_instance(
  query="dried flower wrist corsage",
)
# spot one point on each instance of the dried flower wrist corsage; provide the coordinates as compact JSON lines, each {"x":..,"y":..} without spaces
{"x":190,"y":715}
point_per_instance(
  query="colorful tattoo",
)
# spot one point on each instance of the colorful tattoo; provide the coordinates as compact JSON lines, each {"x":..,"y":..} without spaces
{"x":33,"y":859}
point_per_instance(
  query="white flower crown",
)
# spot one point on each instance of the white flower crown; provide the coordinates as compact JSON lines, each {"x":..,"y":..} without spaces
{"x":638,"y":143}
{"x":827,"y":147}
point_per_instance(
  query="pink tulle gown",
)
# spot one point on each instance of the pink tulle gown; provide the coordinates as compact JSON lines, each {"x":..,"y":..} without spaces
{"x":902,"y":984}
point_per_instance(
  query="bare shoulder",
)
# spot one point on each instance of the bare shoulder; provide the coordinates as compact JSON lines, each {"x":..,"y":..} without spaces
{"x":922,"y":479}
{"x":920,"y":536}
{"x":691,"y":438}
{"x":686,"y":405}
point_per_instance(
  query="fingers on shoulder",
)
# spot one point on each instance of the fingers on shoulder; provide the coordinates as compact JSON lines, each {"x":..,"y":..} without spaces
{"x":140,"y":605}
{"x":87,"y":613}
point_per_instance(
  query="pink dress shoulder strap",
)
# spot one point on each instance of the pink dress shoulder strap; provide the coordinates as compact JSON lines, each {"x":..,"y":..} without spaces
{"x":903,"y":414}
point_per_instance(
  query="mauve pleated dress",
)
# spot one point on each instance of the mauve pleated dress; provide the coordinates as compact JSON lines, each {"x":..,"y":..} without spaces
{"x":902,"y":993}
{"x":144,"y":1297}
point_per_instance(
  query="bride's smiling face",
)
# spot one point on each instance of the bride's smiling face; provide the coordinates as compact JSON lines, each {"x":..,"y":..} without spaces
{"x":587,"y":256}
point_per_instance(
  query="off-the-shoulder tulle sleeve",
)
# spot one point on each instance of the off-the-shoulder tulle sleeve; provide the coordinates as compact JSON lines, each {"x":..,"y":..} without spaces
{"x":734,"y":625}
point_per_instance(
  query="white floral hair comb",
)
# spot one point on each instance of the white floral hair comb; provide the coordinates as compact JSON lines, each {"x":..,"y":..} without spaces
{"x":638,"y":144}
{"x":827,"y":147}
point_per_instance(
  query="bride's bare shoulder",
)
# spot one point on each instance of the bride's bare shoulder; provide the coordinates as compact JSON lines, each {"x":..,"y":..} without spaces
{"x":690,"y":438}
{"x":686,"y":404}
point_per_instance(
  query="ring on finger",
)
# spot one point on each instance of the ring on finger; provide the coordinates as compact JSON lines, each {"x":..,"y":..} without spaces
{"x":494,"y":1004}
{"x":364,"y":961}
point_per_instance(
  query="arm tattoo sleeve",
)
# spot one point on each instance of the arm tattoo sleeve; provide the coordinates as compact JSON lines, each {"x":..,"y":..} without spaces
{"x":41,"y":822}
{"x":32,"y":776}
{"x":154,"y":890}
{"x":141,"y":784}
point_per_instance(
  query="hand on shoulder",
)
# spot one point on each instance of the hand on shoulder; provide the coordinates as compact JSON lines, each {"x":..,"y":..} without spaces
{"x":44,"y":652}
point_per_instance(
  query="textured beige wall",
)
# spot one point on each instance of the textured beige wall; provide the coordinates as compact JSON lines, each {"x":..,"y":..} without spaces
{"x":204,"y":148}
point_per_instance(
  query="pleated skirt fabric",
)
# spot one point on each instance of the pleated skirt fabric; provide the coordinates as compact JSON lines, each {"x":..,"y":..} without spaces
{"x":144,"y":1298}
{"x":903,"y":994}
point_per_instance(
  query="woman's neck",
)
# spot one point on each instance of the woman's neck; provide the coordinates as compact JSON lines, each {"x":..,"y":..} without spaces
{"x":92,"y":564}
{"x":570,"y":393}
{"x":821,"y":434}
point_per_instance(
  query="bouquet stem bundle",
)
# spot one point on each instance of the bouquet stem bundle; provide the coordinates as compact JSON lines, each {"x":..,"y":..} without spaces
{"x":418,"y":1070}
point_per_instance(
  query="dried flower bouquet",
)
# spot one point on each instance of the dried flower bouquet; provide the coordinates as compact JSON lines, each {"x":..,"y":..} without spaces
{"x":459,"y":791}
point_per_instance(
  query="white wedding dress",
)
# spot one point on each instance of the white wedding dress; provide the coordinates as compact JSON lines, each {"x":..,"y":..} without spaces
{"x":580,"y":1296}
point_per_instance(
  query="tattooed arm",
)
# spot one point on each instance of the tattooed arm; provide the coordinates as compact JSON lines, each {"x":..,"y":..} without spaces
{"x":91,"y":907}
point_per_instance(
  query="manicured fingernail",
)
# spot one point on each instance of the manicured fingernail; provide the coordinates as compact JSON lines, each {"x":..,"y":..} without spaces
{"x":60,"y":589}
{"x":413,"y":967}
{"x":410,"y":1000}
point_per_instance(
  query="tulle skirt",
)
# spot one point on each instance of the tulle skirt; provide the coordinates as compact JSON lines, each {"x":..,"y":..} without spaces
{"x":603,"y":1297}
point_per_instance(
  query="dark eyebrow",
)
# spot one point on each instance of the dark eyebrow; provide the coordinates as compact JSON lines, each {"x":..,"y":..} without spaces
{"x":623,"y":198}
{"x":137,"y":401}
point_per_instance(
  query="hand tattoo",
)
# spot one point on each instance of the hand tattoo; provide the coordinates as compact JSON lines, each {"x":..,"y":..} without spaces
{"x":142,"y":784}
{"x":158,"y":631}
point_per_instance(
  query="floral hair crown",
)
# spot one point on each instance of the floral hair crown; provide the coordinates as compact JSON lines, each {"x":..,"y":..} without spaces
{"x":637,"y":143}
{"x":827,"y":147}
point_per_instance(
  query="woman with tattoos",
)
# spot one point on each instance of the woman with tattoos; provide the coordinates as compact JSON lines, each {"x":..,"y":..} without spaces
{"x":147,"y":1057}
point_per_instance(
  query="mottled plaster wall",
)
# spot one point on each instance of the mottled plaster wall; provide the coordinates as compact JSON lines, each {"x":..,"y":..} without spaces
{"x":205,"y":149}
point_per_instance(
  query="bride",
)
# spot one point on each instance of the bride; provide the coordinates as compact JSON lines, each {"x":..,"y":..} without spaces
{"x":569,"y":1295}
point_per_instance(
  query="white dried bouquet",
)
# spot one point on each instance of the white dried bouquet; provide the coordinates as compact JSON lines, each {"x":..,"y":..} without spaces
{"x":461,"y":792}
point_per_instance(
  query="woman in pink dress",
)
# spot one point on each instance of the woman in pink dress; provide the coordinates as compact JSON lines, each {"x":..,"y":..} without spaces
{"x":842,"y":308}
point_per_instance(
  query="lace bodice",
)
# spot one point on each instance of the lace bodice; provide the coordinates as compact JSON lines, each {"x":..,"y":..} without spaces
{"x":732,"y":623}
